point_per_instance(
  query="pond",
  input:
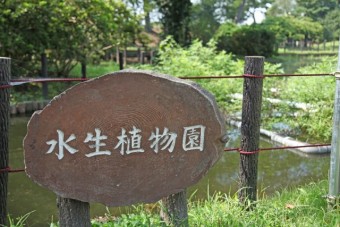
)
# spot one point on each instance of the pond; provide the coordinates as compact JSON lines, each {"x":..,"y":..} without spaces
{"x":292,"y":62}
{"x":277,"y":170}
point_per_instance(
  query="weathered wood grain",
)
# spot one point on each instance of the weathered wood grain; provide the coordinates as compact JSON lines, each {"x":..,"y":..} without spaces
{"x":123,"y":100}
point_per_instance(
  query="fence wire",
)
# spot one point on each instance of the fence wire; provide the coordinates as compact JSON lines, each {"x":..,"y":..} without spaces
{"x":17,"y":82}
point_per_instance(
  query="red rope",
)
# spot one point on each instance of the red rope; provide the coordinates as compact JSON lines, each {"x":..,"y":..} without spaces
{"x":209,"y":77}
{"x":15,"y":82}
{"x":9,"y":170}
{"x":5,"y":86}
{"x":254,"y":76}
{"x":274,"y":148}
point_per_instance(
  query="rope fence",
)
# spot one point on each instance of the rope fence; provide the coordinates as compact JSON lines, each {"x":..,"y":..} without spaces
{"x":10,"y":170}
{"x":16,"y":82}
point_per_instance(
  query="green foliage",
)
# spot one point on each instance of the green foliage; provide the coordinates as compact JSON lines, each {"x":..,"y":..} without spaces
{"x":175,"y":19}
{"x":19,"y":221}
{"x":33,"y":91}
{"x":253,"y":40}
{"x":68,"y":31}
{"x":294,"y":27}
{"x":223,"y":36}
{"x":199,"y":60}
{"x":317,"y":91}
{"x":203,"y":22}
{"x":281,"y":26}
{"x":304,"y":206}
{"x":246,"y":40}
{"x":281,"y":8}
{"x":315,"y":9}
{"x":196,"y":60}
{"x":95,"y":70}
{"x":331,"y":24}
{"x":137,"y":217}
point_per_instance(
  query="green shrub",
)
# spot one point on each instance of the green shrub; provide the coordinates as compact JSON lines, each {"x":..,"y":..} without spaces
{"x":199,"y":60}
{"x":246,"y":40}
{"x":223,"y":36}
{"x":317,"y":91}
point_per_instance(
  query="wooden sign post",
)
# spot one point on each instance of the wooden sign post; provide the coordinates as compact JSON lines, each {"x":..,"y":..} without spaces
{"x":124,"y":138}
{"x":5,"y":76}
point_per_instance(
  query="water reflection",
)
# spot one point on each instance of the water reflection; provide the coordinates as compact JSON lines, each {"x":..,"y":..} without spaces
{"x":277,"y":169}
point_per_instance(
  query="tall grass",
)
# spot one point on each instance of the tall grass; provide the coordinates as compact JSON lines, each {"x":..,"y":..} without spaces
{"x":303,"y":206}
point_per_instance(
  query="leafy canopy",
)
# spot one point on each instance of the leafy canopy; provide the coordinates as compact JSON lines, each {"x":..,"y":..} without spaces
{"x":68,"y":31}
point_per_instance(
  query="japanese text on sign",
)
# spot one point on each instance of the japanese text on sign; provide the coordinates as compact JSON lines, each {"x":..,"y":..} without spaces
{"x":129,"y":142}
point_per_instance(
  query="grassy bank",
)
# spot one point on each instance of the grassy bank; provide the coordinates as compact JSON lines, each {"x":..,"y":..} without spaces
{"x":304,"y":206}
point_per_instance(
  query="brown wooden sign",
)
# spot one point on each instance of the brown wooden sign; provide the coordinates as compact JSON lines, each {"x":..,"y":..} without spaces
{"x":124,"y":138}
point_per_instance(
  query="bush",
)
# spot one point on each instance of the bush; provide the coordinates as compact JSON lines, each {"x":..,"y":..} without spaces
{"x":246,"y":40}
{"x":199,"y":60}
{"x":223,"y":36}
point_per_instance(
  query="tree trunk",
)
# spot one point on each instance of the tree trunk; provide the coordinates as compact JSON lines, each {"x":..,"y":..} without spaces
{"x":73,"y":213}
{"x":240,"y":12}
{"x":5,"y":74}
{"x":250,"y":129}
{"x":174,"y":209}
{"x":147,"y":9}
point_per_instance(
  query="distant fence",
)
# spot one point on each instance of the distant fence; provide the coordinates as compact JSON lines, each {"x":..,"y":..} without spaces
{"x":250,"y":130}
{"x":141,"y":56}
{"x":303,"y":45}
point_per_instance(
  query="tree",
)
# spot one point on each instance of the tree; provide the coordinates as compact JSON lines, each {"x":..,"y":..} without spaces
{"x":290,"y":27}
{"x":282,"y":8}
{"x":315,"y":9}
{"x":204,"y":21}
{"x":175,"y":19}
{"x":147,"y":6}
{"x":331,"y":23}
{"x":68,"y":31}
{"x":253,"y":5}
{"x":245,"y":40}
{"x":223,"y":36}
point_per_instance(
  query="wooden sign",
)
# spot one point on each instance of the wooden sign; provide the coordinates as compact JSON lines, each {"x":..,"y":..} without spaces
{"x":124,"y":138}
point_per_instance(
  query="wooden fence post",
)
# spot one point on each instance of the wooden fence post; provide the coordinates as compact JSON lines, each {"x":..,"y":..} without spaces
{"x":5,"y":75}
{"x":73,"y":213}
{"x":125,"y":57}
{"x":151,"y":56}
{"x":174,"y":210}
{"x":143,"y":57}
{"x":250,"y":128}
{"x":121,"y":63}
{"x":44,"y":75}
{"x":83,"y":69}
{"x":334,"y":172}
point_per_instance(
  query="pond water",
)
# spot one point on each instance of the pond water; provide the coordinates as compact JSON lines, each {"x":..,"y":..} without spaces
{"x":277,"y":169}
{"x":292,"y":62}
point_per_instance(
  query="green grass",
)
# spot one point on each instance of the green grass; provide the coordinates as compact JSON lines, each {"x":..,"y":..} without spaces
{"x":96,"y":70}
{"x":33,"y":91}
{"x":307,"y":52}
{"x":304,"y":206}
{"x":327,"y":48}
